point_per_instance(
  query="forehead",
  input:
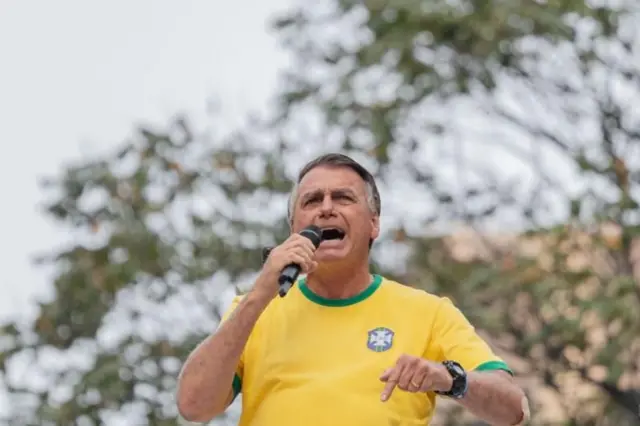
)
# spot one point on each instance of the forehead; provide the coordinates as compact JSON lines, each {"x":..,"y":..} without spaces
{"x":331,"y":177}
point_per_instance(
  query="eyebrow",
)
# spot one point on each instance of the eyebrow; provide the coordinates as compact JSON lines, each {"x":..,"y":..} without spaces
{"x":318,"y":192}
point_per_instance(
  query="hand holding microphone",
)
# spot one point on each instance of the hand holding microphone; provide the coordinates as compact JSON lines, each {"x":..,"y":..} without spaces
{"x":285,"y":262}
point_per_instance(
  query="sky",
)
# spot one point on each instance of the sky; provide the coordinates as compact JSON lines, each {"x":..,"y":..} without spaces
{"x":77,"y":76}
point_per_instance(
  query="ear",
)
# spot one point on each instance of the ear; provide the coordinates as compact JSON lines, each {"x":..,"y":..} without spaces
{"x":375,"y":226}
{"x":292,"y":226}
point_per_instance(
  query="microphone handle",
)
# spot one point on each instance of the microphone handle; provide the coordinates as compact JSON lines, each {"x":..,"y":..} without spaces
{"x":285,"y":281}
{"x":287,"y":278}
{"x":284,"y":288}
{"x":290,"y":273}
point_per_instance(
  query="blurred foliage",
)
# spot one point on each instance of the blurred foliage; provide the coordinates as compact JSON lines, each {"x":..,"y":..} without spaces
{"x":513,"y":118}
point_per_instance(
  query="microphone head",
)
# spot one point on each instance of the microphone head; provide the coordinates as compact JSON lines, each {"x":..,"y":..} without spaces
{"x":314,"y":233}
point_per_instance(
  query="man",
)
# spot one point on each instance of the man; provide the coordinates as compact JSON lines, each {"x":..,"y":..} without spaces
{"x":343,"y":347}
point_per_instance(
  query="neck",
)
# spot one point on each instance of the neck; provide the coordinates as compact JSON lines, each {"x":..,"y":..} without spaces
{"x":339,"y":283}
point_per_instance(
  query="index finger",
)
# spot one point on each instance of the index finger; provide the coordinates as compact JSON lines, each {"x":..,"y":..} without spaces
{"x":302,"y":241}
{"x":309,"y":243}
{"x":308,"y":246}
{"x":392,"y":381}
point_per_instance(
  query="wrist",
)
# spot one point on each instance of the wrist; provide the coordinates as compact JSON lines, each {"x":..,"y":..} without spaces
{"x":446,"y":381}
{"x":457,"y":381}
{"x":264,"y":289}
{"x":260,"y":297}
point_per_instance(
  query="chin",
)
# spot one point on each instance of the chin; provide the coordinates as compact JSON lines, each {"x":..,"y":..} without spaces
{"x":330,"y":257}
{"x":332,"y":254}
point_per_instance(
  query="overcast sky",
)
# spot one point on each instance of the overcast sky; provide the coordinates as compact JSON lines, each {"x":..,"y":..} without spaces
{"x":76,"y":76}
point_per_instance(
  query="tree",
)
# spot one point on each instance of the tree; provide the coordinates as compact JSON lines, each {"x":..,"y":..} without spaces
{"x":424,"y":93}
{"x":160,"y":236}
{"x":549,"y":86}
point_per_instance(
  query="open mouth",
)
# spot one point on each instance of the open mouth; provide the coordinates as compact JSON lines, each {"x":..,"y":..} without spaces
{"x":332,"y":234}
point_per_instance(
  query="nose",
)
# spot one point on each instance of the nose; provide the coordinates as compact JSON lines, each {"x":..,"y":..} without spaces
{"x":326,"y":209}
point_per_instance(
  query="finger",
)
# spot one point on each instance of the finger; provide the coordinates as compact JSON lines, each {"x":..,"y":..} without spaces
{"x":309,"y":249}
{"x":303,"y":245}
{"x":301,"y":251}
{"x":392,"y":381}
{"x":427,"y":383}
{"x":300,"y":240}
{"x":308,"y":259}
{"x":386,"y":374}
{"x":303,"y":261}
{"x":313,"y":267}
{"x":407,"y":376}
{"x":307,"y":246}
{"x":416,"y":383}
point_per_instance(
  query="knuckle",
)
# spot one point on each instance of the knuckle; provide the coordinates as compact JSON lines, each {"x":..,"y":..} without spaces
{"x":275,"y":251}
{"x":404,"y":358}
{"x":290,"y":241}
{"x":305,"y":250}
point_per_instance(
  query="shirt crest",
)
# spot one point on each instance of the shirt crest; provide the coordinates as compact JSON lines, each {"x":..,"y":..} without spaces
{"x":380,"y":339}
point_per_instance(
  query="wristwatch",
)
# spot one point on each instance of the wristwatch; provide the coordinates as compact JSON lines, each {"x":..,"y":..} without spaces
{"x":459,"y":386}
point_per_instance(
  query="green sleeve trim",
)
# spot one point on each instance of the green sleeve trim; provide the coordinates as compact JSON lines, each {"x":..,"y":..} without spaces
{"x":237,"y":385}
{"x":493,"y":366}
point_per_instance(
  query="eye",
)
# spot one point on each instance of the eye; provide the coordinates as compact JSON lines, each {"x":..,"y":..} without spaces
{"x":310,"y":201}
{"x":343,"y":197}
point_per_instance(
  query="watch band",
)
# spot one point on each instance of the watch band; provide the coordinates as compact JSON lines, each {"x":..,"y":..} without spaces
{"x":460,"y":384}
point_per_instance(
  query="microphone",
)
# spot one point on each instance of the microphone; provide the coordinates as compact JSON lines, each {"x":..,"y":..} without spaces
{"x":290,"y":273}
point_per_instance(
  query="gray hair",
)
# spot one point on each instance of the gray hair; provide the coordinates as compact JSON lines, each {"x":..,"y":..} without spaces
{"x":338,"y":160}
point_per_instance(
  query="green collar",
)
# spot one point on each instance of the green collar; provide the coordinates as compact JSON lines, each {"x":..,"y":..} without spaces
{"x":375,"y":283}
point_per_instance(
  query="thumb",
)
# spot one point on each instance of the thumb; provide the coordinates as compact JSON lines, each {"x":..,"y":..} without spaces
{"x":386,"y":374}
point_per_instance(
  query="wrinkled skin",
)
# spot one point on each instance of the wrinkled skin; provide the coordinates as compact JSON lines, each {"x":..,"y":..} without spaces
{"x":336,"y":197}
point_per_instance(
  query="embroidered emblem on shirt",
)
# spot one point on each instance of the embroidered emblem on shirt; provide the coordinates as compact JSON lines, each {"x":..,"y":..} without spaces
{"x":380,"y":339}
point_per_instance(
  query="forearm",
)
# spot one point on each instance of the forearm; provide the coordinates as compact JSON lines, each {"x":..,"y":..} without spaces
{"x":206,"y":378}
{"x":495,"y":398}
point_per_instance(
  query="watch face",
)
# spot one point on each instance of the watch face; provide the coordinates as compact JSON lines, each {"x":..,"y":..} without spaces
{"x":458,"y":369}
{"x":455,"y":368}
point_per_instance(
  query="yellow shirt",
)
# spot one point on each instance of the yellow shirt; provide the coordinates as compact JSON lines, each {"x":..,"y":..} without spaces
{"x":311,"y":361}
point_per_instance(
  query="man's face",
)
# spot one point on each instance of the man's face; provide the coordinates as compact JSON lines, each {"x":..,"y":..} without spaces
{"x":336,"y":198}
